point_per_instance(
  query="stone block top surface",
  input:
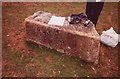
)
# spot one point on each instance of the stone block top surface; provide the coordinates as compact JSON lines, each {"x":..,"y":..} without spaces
{"x":42,"y":18}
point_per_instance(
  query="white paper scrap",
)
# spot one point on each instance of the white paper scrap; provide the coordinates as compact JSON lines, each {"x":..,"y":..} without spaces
{"x":56,"y":21}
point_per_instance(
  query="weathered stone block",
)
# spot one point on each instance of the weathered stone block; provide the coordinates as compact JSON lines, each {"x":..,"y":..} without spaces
{"x":75,"y":40}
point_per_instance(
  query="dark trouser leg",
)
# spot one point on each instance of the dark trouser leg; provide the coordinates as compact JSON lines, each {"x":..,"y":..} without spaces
{"x":93,"y":10}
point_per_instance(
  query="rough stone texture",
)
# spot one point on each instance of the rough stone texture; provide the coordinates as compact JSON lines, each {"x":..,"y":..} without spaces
{"x":74,"y":40}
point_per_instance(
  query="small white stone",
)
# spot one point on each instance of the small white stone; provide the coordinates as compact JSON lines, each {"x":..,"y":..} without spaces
{"x":58,"y":71}
{"x":81,"y":65}
{"x":7,"y":35}
{"x":69,"y":47}
{"x":75,"y":75}
{"x":8,"y":45}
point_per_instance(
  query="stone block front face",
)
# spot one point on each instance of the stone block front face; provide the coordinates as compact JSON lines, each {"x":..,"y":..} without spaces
{"x":79,"y":41}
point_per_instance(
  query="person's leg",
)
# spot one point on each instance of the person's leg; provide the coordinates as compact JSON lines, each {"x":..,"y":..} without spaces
{"x":93,"y":10}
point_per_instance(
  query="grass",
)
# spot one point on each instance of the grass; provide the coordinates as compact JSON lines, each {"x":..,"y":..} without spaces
{"x":108,"y":18}
{"x":58,"y":60}
{"x":43,"y":61}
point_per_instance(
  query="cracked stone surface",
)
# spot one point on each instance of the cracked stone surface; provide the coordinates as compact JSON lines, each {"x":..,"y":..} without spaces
{"x":74,"y":40}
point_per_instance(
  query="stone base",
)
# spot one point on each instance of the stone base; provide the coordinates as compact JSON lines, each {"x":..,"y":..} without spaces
{"x":81,"y":42}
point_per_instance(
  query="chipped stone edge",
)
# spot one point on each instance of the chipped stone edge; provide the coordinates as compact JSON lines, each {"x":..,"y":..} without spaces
{"x":70,"y":31}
